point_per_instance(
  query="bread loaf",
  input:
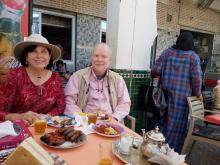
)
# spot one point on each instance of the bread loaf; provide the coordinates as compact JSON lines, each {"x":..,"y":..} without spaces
{"x":29,"y":152}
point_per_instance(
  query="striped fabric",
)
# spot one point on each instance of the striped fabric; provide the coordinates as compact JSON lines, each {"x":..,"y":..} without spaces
{"x":181,"y":75}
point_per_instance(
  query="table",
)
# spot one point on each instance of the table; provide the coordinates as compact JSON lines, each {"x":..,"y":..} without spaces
{"x":87,"y":154}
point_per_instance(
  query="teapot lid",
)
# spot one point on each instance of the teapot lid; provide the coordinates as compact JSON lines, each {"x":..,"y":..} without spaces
{"x":156,"y":135}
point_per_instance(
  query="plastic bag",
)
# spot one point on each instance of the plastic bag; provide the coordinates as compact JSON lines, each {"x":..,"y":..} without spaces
{"x":159,"y":98}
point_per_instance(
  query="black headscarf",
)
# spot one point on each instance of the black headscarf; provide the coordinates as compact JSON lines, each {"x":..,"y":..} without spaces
{"x":184,"y":42}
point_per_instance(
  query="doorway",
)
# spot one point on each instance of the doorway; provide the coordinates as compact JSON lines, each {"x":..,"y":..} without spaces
{"x":59,"y":29}
{"x":54,"y":33}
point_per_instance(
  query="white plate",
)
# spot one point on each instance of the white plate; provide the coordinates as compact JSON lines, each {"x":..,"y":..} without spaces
{"x":51,"y":123}
{"x":67,"y":144}
{"x":115,"y":126}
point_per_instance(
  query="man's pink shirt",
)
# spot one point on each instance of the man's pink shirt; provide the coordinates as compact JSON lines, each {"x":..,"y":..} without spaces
{"x":98,"y":97}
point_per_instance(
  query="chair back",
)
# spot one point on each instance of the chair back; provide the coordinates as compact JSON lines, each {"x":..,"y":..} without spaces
{"x":196,"y":107}
{"x":207,"y":99}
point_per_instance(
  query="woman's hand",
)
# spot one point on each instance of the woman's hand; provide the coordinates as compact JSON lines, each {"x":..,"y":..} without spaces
{"x":200,"y":97}
{"x":29,"y":117}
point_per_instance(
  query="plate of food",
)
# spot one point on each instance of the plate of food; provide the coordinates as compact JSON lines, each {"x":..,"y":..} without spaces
{"x":108,"y":129}
{"x":103,"y":116}
{"x":61,"y":121}
{"x":64,"y":138}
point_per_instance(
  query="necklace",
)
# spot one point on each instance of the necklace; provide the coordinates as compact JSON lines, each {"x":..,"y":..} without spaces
{"x":40,"y":87}
{"x":40,"y":91}
{"x":98,"y":89}
{"x":37,"y":77}
{"x":38,"y":80}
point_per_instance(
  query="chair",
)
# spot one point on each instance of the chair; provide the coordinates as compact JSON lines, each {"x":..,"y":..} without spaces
{"x":204,"y":133}
{"x":208,"y":104}
{"x":129,"y":121}
{"x":132,"y":122}
{"x":207,"y":99}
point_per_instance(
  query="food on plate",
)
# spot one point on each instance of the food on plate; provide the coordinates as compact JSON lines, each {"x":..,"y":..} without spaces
{"x":110,"y":131}
{"x":102,"y":116}
{"x":61,"y":120}
{"x":29,"y":152}
{"x":107,"y":129}
{"x":61,"y":135}
{"x":72,"y":135}
{"x":53,"y":138}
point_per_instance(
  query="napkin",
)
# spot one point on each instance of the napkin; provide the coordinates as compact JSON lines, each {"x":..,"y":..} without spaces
{"x":82,"y":123}
{"x":81,"y":120}
{"x":170,"y":158}
{"x":86,"y":129}
{"x":6,"y":128}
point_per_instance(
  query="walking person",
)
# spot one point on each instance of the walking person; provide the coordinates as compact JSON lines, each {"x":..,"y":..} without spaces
{"x":179,"y":71}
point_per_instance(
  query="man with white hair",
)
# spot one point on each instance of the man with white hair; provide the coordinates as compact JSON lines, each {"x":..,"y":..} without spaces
{"x":97,"y":87}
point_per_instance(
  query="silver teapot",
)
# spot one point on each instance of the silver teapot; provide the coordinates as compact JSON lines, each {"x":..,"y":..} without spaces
{"x":153,"y":141}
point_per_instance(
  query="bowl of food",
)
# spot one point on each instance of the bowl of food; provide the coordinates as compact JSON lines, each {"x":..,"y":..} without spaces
{"x":108,"y":129}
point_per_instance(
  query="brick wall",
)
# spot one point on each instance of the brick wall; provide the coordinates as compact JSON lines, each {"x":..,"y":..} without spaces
{"x":186,"y":15}
{"x":89,"y":7}
{"x":167,"y":10}
{"x":197,"y":18}
{"x":171,"y":15}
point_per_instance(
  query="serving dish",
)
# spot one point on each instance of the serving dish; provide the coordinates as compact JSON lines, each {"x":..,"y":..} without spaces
{"x":99,"y":128}
{"x":135,"y":157}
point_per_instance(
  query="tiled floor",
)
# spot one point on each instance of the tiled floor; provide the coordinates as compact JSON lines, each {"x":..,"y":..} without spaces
{"x":204,"y":154}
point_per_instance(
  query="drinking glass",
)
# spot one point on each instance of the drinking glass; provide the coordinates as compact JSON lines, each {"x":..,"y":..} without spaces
{"x":105,"y":153}
{"x":92,"y":117}
{"x":40,"y":126}
{"x":126,"y":142}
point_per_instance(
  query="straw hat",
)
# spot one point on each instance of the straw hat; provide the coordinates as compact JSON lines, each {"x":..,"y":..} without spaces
{"x":36,"y":39}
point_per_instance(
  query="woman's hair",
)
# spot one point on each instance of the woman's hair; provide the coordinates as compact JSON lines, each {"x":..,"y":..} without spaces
{"x":29,"y":49}
{"x":184,"y":42}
